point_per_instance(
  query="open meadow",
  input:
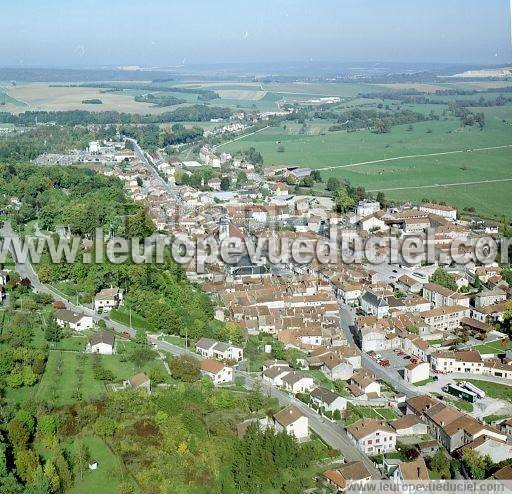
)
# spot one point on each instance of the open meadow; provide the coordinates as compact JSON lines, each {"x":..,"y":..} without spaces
{"x":439,"y":160}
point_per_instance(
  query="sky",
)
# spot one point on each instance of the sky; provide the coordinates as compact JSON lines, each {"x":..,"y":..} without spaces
{"x":162,"y":33}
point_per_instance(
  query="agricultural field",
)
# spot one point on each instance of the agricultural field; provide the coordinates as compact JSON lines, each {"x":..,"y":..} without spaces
{"x":71,"y":374}
{"x":439,"y":160}
{"x":41,"y":96}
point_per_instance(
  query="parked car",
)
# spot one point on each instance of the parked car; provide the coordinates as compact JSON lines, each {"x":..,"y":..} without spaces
{"x":407,"y":357}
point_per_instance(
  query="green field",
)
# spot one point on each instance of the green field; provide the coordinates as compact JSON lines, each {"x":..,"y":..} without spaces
{"x":493,"y":390}
{"x":411,"y":177}
{"x":60,"y":383}
{"x":493,"y":347}
{"x":107,"y":477}
{"x":357,"y":413}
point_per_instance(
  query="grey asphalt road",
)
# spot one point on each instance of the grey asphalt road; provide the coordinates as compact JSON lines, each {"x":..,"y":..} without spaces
{"x":333,"y":434}
{"x":391,"y":376}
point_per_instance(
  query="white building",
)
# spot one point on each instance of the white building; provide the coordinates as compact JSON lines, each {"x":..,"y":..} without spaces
{"x":73,"y":320}
{"x":366,"y":208}
{"x":102,"y":343}
{"x":328,"y":400}
{"x":372,"y":437}
{"x":416,"y":372}
{"x":374,"y":305}
{"x":108,"y":299}
{"x":439,"y":209}
{"x":209,"y":348}
{"x":216,"y":371}
{"x":291,"y":420}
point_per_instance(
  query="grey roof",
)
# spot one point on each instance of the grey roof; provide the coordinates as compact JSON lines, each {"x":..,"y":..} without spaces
{"x":293,"y":377}
{"x":103,"y":337}
{"x":68,"y":316}
{"x":324,"y":395}
{"x":221,"y":347}
{"x":375,"y":300}
{"x":205,"y":343}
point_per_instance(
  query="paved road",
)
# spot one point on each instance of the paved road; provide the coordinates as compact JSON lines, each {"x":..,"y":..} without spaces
{"x":139,"y":152}
{"x":391,"y":376}
{"x":333,"y":434}
{"x":25,"y":270}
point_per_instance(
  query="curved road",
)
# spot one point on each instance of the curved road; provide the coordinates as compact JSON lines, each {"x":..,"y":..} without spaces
{"x":332,"y":434}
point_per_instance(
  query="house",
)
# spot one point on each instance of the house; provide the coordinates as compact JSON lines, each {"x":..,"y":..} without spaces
{"x":373,"y":223}
{"x":374,"y":338}
{"x":454,"y":429}
{"x":73,"y":320}
{"x":440,"y":296}
{"x":429,"y":448}
{"x":107,"y":299}
{"x":468,"y":361}
{"x":92,"y":464}
{"x":490,"y":314}
{"x":409,"y":425}
{"x":349,"y":473}
{"x":372,"y":437}
{"x":504,"y":473}
{"x":336,"y":368}
{"x":490,"y":297}
{"x":412,"y":471}
{"x":275,"y":375}
{"x":291,"y":420}
{"x":374,"y":305}
{"x":408,"y":285}
{"x":209,"y":348}
{"x":217,"y":371}
{"x":4,"y":277}
{"x":214,"y":183}
{"x":366,"y":383}
{"x":498,"y":450}
{"x":138,"y":381}
{"x":367,"y":207}
{"x":445,"y":318}
{"x":296,"y":382}
{"x":102,"y":342}
{"x":440,"y":210}
{"x":328,"y":400}
{"x":417,"y":372}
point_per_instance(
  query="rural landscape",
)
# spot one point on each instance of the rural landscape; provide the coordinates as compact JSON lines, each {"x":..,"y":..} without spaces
{"x":436,"y":156}
{"x":255,"y":248}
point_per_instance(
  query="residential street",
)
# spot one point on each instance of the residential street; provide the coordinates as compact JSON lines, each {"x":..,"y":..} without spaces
{"x":332,"y":434}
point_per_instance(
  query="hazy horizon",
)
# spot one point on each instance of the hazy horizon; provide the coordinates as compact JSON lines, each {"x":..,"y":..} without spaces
{"x":164,"y":34}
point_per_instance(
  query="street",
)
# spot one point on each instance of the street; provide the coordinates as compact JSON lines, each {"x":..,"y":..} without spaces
{"x":332,"y":434}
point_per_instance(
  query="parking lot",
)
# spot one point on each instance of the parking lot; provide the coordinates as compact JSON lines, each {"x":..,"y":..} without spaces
{"x":397,"y":359}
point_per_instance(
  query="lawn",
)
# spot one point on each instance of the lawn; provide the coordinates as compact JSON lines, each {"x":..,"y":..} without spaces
{"x":425,"y":382}
{"x":357,"y":413}
{"x":122,"y":315}
{"x":61,"y":383}
{"x":464,"y":405}
{"x":107,"y":477}
{"x":411,"y":178}
{"x":493,"y":347}
{"x":493,"y":390}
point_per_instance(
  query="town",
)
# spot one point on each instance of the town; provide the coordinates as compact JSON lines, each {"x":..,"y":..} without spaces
{"x":396,"y":366}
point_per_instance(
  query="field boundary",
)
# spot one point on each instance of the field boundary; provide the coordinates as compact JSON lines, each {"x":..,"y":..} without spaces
{"x":456,"y":184}
{"x":384,"y":160}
